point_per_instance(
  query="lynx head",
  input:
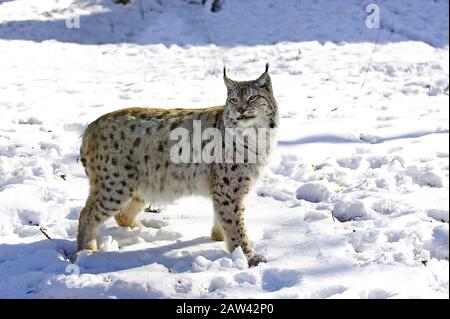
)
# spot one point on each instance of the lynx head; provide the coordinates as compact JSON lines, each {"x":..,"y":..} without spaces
{"x":250,"y":103}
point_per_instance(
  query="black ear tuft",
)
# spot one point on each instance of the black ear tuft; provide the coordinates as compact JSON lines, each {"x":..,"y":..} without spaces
{"x":264,"y":80}
{"x":224,"y":71}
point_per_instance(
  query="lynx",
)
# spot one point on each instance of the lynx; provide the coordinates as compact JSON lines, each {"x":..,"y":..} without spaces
{"x":126,"y":156}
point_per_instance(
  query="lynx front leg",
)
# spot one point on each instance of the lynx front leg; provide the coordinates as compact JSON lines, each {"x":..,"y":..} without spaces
{"x":231,"y":215}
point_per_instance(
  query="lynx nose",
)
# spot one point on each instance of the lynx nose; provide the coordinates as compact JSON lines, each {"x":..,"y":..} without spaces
{"x":241,"y":110}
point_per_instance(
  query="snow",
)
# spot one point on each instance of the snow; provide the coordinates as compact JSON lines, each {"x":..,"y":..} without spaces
{"x":315,"y":192}
{"x":354,"y":204}
{"x":345,"y":210}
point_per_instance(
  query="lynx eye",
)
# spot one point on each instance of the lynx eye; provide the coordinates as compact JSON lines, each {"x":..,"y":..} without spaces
{"x":233,"y":100}
{"x":253,"y":98}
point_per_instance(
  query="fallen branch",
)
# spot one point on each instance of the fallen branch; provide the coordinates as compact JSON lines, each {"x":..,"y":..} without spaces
{"x":65,"y":252}
{"x":44,"y":231}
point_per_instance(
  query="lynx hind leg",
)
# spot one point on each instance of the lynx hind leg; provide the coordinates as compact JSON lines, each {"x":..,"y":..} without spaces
{"x":101,"y":205}
{"x":86,"y":233}
{"x":127,"y":215}
{"x":217,"y":231}
{"x":92,"y":216}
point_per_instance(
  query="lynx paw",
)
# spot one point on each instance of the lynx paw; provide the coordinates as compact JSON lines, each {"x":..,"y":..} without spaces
{"x":154,"y":223}
{"x":124,"y":221}
{"x":216,"y":234}
{"x":82,"y":254}
{"x":255,"y":259}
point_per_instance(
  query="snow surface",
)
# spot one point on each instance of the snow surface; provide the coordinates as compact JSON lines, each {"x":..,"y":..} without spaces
{"x":355,"y":204}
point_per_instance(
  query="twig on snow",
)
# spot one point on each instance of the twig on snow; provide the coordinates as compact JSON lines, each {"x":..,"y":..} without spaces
{"x":44,"y":231}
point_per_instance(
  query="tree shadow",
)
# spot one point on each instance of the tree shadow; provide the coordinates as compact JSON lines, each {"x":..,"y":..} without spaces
{"x":238,"y":23}
{"x":368,"y":139}
{"x":25,"y":267}
{"x":53,"y":257}
{"x":104,"y":262}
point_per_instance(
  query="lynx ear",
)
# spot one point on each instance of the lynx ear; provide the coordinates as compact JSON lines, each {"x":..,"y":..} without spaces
{"x":228,"y":83}
{"x":264,"y":80}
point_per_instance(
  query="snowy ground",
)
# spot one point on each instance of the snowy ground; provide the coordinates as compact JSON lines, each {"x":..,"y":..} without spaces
{"x":354,"y":205}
